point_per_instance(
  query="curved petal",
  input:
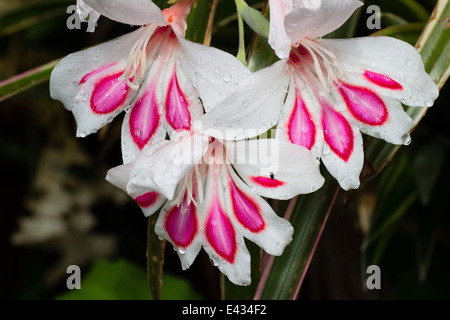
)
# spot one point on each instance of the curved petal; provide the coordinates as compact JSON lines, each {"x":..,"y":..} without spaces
{"x":278,"y":39}
{"x":87,"y":83}
{"x":253,"y":217}
{"x":300,"y":118}
{"x":149,"y":201}
{"x":162,"y":165}
{"x":388,"y":66}
{"x":253,"y":108}
{"x":141,"y":127}
{"x":120,"y":176}
{"x":375,"y":114}
{"x":313,"y":20}
{"x":136,"y":12}
{"x":274,"y":168}
{"x":223,"y":243}
{"x":182,"y":106}
{"x":214,"y":73}
{"x":181,"y":226}
{"x":345,"y":167}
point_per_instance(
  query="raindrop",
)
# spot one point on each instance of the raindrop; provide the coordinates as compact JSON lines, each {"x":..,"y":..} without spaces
{"x":181,"y":250}
{"x":326,"y":149}
{"x":82,"y":134}
{"x":406,"y":139}
{"x":214,"y":262}
{"x":408,"y":62}
{"x":277,"y":243}
{"x":217,"y":70}
{"x":227,"y":77}
{"x":428,"y":103}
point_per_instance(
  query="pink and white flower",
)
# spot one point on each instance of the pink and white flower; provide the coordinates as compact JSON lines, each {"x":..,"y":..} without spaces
{"x":210,"y":192}
{"x":160,"y":79}
{"x":323,"y":93}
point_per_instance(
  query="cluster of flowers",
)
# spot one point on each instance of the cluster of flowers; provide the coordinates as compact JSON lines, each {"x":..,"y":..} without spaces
{"x":194,"y":116}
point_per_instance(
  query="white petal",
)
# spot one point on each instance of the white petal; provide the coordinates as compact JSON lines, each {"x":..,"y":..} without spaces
{"x":119,"y":176}
{"x":136,"y":12}
{"x":80,"y":75}
{"x":149,"y":201}
{"x":162,"y":165}
{"x":346,"y":172}
{"x":254,"y":218}
{"x":375,"y":112}
{"x":188,"y":241}
{"x":300,"y":118}
{"x":316,"y":21}
{"x":214,"y":73}
{"x":131,"y":149}
{"x":275,"y":168}
{"x":278,"y":38}
{"x":253,"y":108}
{"x":389,"y":57}
{"x":223,"y":243}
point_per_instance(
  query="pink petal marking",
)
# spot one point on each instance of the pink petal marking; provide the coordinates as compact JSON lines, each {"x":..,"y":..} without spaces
{"x":301,"y":128}
{"x":219,"y":231}
{"x":246,"y":209}
{"x":177,"y":112}
{"x":181,"y":223}
{"x":96,"y":71}
{"x":337,"y":132}
{"x":267,"y":182}
{"x":144,"y":118}
{"x":109,"y":94}
{"x":147,"y":199}
{"x":382,"y":80}
{"x":364,"y":104}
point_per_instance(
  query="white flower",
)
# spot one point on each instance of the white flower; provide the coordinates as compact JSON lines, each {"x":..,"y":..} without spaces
{"x":162,"y":80}
{"x":323,"y":92}
{"x":211,"y":192}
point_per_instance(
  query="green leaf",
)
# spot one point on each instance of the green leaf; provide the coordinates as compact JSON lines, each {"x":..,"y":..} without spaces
{"x":111,"y":280}
{"x":434,"y":47}
{"x":200,"y":21}
{"x":408,"y":32}
{"x":428,"y":163}
{"x":26,"y":80}
{"x":124,"y":280}
{"x":409,"y":10}
{"x":286,"y":272}
{"x":254,"y":19}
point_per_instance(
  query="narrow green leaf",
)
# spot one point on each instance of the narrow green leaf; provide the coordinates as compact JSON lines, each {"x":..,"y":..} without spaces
{"x":408,"y":32}
{"x":434,"y":47}
{"x":308,"y":218}
{"x":26,"y":80}
{"x":200,"y":21}
{"x":254,"y":19}
{"x":427,"y":165}
{"x":389,"y":19}
{"x":410,"y":10}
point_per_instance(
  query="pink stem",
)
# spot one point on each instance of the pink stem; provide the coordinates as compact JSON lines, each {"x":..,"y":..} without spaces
{"x":268,"y":264}
{"x":315,"y":246}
